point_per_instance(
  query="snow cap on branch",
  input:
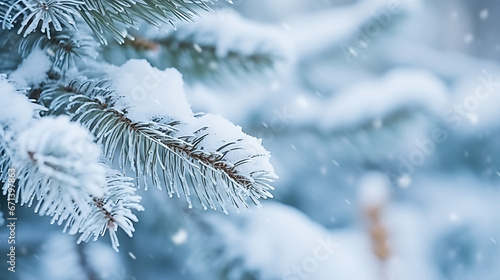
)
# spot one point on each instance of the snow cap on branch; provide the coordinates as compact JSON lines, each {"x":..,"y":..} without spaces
{"x":17,"y":110}
{"x":33,"y":70}
{"x":145,"y":92}
{"x":241,"y":151}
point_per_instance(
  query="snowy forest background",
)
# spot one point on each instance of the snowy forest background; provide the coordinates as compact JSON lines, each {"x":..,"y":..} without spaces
{"x":382,"y":120}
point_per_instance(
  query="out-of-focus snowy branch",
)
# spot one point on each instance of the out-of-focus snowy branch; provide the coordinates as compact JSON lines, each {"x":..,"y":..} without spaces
{"x":397,"y":90}
{"x":219,"y":44}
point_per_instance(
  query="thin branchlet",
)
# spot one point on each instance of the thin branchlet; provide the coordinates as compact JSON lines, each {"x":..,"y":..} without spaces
{"x":99,"y":203}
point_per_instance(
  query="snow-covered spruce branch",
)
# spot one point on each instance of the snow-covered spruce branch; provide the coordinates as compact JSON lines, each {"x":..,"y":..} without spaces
{"x":57,"y":162}
{"x":161,"y":154}
{"x":58,"y":170}
{"x":112,"y":17}
{"x":216,"y":45}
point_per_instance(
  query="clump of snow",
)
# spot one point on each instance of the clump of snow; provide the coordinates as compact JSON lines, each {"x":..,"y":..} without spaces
{"x":33,"y":70}
{"x":220,"y":132}
{"x":16,"y":111}
{"x":65,"y":151}
{"x":374,"y":190}
{"x":146,"y":92}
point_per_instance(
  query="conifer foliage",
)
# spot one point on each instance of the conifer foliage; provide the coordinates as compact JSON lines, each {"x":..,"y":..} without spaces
{"x":84,"y":136}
